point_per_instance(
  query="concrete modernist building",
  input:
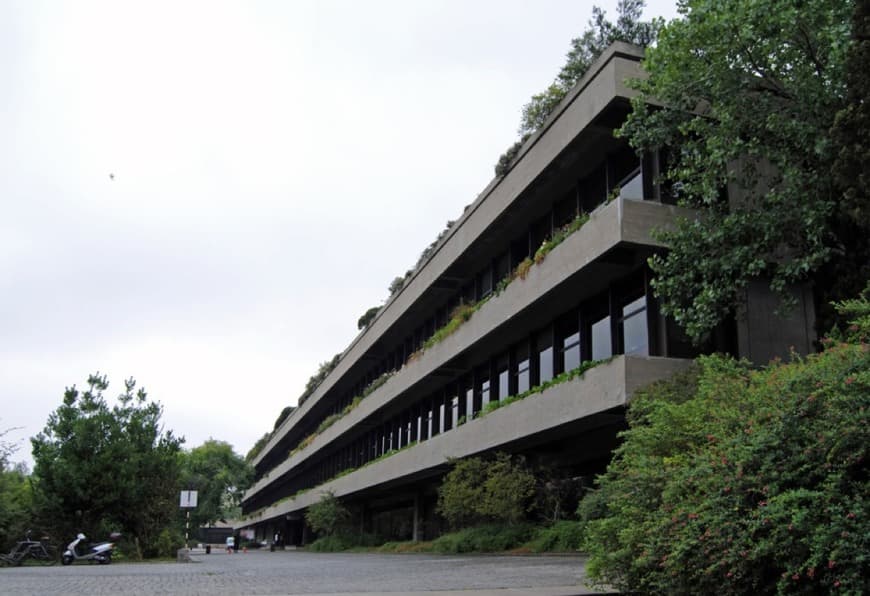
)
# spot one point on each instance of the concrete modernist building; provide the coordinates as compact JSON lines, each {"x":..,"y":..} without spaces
{"x":402,"y":399}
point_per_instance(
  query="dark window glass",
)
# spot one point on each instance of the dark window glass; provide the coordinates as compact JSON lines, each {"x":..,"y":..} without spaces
{"x":546,"y":364}
{"x":602,"y":346}
{"x":523,"y":375}
{"x":519,"y":250}
{"x":484,"y":283}
{"x":544,"y":344}
{"x":502,"y":266}
{"x":484,"y":393}
{"x":632,"y":187}
{"x":565,"y":210}
{"x":594,"y":190}
{"x":634,"y":327}
{"x":541,"y":231}
{"x":469,"y":403}
{"x":571,"y":352}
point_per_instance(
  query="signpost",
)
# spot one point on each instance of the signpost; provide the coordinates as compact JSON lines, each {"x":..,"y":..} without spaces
{"x":188,"y":501}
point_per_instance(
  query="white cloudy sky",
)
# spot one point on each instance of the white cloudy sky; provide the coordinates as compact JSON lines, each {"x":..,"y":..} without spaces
{"x":276,"y":164}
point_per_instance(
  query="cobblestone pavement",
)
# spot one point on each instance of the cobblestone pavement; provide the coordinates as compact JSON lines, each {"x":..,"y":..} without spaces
{"x":298,"y":572}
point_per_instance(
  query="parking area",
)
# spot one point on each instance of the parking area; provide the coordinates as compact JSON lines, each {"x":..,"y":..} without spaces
{"x":299,"y":572}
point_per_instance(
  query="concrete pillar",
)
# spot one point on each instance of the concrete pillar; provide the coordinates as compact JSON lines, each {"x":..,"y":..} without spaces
{"x":416,"y":532}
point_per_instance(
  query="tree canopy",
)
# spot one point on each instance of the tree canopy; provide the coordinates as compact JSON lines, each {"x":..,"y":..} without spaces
{"x":750,"y":90}
{"x":100,"y":468}
{"x":599,"y":34}
{"x":220,"y":476}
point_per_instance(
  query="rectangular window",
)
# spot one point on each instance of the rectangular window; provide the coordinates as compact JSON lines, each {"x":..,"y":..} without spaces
{"x":502,"y":377}
{"x":523,"y":375}
{"x":571,"y":352}
{"x":634,"y":328}
{"x":632,"y":187}
{"x":602,"y":346}
{"x":546,"y":364}
{"x":484,"y":283}
{"x":454,"y":411}
{"x":469,"y":403}
{"x":484,"y":393}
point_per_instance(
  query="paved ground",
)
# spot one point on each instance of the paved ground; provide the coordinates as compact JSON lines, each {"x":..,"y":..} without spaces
{"x":297,"y":572}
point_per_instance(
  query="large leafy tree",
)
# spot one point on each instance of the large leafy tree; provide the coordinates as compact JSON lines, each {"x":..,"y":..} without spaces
{"x":100,"y":468}
{"x":220,"y":477}
{"x":15,"y":496}
{"x":599,"y":34}
{"x":750,"y":90}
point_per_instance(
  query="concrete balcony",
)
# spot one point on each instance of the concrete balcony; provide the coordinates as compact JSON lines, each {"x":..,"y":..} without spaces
{"x":607,"y":386}
{"x":620,"y":222}
{"x":600,"y":87}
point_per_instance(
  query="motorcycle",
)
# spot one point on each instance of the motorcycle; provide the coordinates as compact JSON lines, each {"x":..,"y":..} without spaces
{"x":101,"y":552}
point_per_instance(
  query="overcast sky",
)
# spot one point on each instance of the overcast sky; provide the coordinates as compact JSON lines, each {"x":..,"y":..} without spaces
{"x":276,"y":165}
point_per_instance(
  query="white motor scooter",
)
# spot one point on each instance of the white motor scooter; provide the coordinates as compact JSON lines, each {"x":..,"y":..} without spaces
{"x":101,"y":553}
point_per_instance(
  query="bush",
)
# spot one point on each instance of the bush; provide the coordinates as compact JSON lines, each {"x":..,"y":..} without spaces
{"x":484,"y":539}
{"x":563,"y":536}
{"x":744,"y":481}
{"x":168,"y":542}
{"x":344,"y":540}
{"x":328,"y":515}
{"x":478,"y":490}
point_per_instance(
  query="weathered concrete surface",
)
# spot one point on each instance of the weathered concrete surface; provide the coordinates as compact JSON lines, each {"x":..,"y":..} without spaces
{"x":601,"y":388}
{"x":295,"y":572}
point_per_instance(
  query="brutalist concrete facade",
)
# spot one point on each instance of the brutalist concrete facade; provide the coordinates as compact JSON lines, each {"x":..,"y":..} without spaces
{"x":534,"y":318}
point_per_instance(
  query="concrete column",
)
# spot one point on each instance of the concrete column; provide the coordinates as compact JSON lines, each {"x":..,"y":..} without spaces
{"x":417,"y":531}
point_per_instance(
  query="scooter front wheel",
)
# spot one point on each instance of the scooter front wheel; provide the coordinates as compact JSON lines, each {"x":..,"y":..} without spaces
{"x":66,"y":559}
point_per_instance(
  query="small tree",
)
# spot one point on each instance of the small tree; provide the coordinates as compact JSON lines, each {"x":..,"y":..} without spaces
{"x":100,"y":468}
{"x":367,"y":317}
{"x":328,"y":515}
{"x":220,"y":476}
{"x":478,"y":490}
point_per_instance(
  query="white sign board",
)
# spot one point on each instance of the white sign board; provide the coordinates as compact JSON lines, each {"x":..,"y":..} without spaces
{"x":188,"y":498}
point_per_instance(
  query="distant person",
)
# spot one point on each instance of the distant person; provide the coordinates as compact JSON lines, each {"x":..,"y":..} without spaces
{"x":231,"y":544}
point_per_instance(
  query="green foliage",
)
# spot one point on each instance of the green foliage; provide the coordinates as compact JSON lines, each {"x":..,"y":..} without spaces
{"x":484,"y":539}
{"x":506,"y":159}
{"x":16,"y":505}
{"x":600,"y":33}
{"x":316,"y":379}
{"x":328,"y":515}
{"x":257,"y":447}
{"x":168,"y":543}
{"x":367,"y":317}
{"x":344,"y":540}
{"x":99,"y":468}
{"x":750,"y":90}
{"x":559,"y":236}
{"x":562,"y":537}
{"x":220,"y":476}
{"x":478,"y":490}
{"x":736,"y":481}
{"x":282,"y":417}
{"x":333,"y":418}
{"x":460,"y":315}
